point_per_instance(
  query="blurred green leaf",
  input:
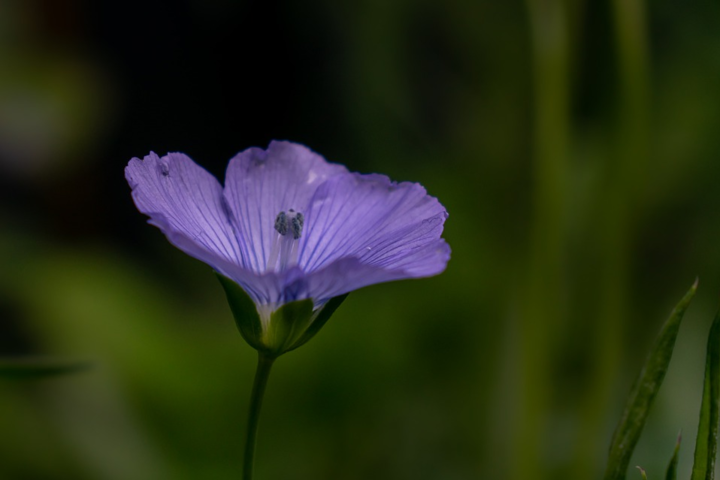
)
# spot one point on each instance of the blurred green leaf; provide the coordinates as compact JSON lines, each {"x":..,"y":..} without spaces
{"x":643,"y":393}
{"x":706,"y":443}
{"x":30,"y":368}
{"x":671,"y":473}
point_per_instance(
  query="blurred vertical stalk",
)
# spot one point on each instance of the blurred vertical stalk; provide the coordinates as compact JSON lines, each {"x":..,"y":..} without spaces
{"x":626,"y":171}
{"x":544,"y":303}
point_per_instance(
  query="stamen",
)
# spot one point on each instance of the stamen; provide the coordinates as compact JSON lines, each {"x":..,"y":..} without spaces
{"x":284,"y":251}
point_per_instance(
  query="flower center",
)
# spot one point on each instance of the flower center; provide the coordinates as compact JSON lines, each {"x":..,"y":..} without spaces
{"x":284,"y":251}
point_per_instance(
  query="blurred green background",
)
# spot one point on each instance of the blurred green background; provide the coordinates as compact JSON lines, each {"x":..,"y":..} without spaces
{"x":574,"y":144}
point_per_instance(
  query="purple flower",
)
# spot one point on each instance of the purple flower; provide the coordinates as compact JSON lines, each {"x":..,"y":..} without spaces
{"x":290,"y":226}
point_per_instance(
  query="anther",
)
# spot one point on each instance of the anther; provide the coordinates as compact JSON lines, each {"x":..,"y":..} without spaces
{"x":281,"y":223}
{"x":291,"y":221}
{"x":297,"y":225}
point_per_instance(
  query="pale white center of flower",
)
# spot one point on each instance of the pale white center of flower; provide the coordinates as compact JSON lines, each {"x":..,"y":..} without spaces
{"x":284,"y":250}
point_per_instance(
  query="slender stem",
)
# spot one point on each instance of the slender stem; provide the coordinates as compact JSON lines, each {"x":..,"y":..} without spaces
{"x":544,"y":308}
{"x":625,"y":178}
{"x":261,"y":378}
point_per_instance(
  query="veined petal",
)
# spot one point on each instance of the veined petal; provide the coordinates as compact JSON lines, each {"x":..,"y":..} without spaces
{"x":261,"y":183}
{"x":379,"y":223}
{"x":186,"y":203}
{"x":268,"y":290}
{"x":351,"y":273}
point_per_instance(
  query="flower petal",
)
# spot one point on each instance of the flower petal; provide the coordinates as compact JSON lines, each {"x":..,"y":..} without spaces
{"x":186,"y":203}
{"x":259,"y":184}
{"x":380,"y":223}
{"x":270,"y":289}
{"x":351,"y":273}
{"x":359,"y":229}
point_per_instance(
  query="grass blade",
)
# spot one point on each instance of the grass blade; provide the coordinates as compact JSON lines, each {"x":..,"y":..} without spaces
{"x":32,"y":368}
{"x":671,"y":473}
{"x":644,"y":392}
{"x":706,"y":443}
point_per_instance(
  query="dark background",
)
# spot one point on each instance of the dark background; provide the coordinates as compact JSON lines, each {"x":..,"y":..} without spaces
{"x":573,"y":143}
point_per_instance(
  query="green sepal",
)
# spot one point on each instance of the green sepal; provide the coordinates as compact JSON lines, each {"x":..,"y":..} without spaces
{"x":244,"y":311}
{"x":286,"y":326}
{"x":706,"y":443}
{"x":33,"y":368}
{"x":289,"y":327}
{"x":642,"y":473}
{"x":322,"y":317}
{"x":644,"y":392}
{"x":671,"y":472}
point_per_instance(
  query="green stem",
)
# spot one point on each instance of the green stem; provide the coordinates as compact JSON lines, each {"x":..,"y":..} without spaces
{"x":261,"y":378}
{"x":626,"y":174}
{"x":543,"y":315}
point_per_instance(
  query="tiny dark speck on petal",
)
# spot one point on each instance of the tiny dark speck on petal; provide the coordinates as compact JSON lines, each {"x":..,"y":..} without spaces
{"x":259,"y":156}
{"x":164,"y":170}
